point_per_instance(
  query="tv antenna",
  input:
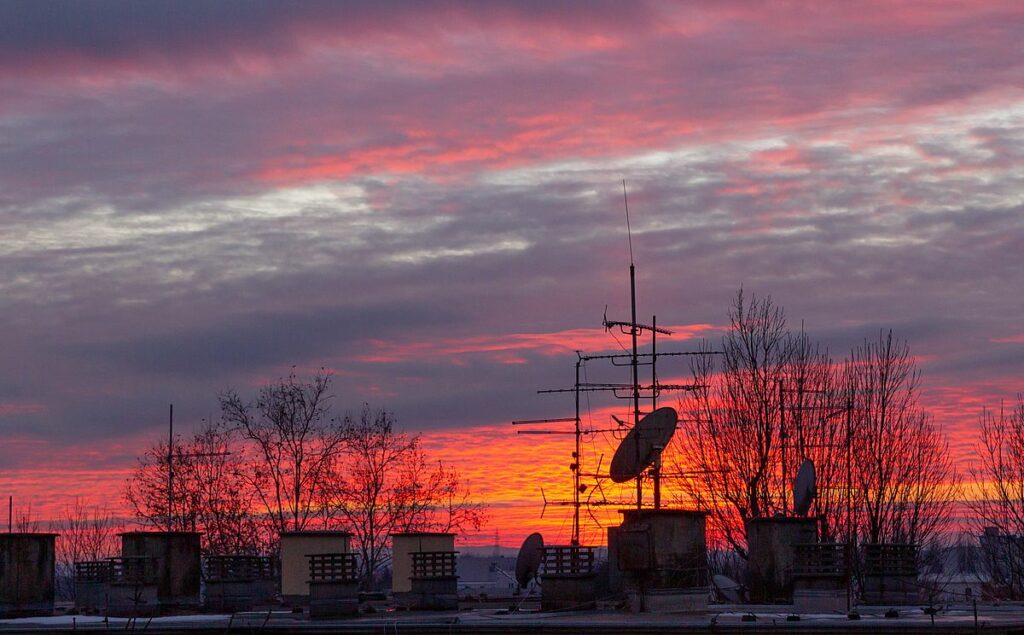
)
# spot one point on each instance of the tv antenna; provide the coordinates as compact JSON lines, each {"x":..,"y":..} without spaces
{"x":170,"y":465}
{"x":578,"y":432}
{"x":634,"y":329}
{"x":632,"y":390}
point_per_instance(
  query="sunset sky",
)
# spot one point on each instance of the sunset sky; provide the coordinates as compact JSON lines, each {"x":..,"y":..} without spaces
{"x":426,"y":198}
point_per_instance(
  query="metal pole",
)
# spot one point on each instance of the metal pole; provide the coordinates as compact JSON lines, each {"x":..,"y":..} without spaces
{"x":654,"y":362}
{"x":170,"y":469}
{"x":576,"y":461}
{"x":654,"y":406}
{"x":782,"y":436}
{"x":10,"y":514}
{"x":849,"y":502}
{"x":636,"y":379}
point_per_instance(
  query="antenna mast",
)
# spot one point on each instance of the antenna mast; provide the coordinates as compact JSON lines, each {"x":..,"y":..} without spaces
{"x":633,"y":333}
{"x":170,"y":469}
{"x":632,"y":391}
{"x":170,"y":465}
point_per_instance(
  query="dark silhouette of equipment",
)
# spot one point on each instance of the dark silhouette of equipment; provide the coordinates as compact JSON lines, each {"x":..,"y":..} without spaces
{"x":727,"y":588}
{"x":642,"y":446}
{"x":528,"y":562}
{"x":805,"y":488}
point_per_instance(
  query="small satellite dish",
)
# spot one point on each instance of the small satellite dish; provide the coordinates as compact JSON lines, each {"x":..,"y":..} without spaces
{"x":727,"y":588}
{"x":805,"y":487}
{"x":529,"y":559}
{"x":643,"y":443}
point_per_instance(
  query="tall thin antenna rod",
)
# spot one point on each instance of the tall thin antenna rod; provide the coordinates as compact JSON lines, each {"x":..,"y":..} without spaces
{"x":633,"y":331}
{"x":170,"y":465}
{"x":629,"y":232}
{"x":575,"y":541}
{"x":170,"y":470}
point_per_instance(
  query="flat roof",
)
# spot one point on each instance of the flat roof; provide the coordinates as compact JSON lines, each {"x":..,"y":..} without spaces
{"x":160,"y":533}
{"x":724,"y":619}
{"x":318,"y":532}
{"x":650,"y":511}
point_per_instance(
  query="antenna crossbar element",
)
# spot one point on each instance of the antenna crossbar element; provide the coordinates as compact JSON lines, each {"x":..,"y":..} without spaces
{"x":627,"y":356}
{"x":171,"y":456}
{"x":626,"y":328}
{"x":555,"y":432}
{"x":617,"y":387}
{"x":632,"y":390}
{"x":689,"y":473}
{"x":597,"y":503}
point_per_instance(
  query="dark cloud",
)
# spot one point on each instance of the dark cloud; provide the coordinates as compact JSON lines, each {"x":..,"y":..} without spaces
{"x":164,"y":34}
{"x":200,"y":195}
{"x":255,"y":339}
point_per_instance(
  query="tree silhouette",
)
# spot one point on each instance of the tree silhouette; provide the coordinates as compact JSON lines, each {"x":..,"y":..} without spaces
{"x":291,"y":446}
{"x":83,"y":534}
{"x":903,"y":477}
{"x":998,"y":503}
{"x":386,"y":484}
{"x":211,"y":493}
{"x":774,"y":398}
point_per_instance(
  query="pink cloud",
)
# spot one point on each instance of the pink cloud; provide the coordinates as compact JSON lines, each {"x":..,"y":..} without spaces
{"x":8,"y":409}
{"x":1011,"y":339}
{"x":503,"y":347}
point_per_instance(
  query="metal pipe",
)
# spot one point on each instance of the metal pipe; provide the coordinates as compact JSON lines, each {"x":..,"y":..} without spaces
{"x":633,"y":332}
{"x":170,"y":469}
{"x":576,"y":462}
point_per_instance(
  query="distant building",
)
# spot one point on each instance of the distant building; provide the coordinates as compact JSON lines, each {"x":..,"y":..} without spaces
{"x":1003,"y":559}
{"x":990,"y":569}
{"x":486,"y":576}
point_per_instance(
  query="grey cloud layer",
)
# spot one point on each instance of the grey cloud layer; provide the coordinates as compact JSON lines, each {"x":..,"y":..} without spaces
{"x":146,"y":258}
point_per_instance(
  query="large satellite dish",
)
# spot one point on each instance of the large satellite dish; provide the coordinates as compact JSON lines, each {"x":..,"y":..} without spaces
{"x":528,"y":561}
{"x":805,"y":487}
{"x":727,"y":588}
{"x":643,"y":443}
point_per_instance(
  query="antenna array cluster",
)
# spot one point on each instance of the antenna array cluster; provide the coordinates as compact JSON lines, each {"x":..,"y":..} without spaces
{"x":647,"y":435}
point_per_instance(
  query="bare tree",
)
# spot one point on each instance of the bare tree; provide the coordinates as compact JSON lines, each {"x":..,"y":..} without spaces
{"x":998,"y":507}
{"x":882,"y":464}
{"x":146,"y":490}
{"x":814,"y":411}
{"x":902,"y":472}
{"x":291,"y":444}
{"x":386,"y":484}
{"x":84,"y":534}
{"x":210,"y":493}
{"x":732,"y":440}
{"x":221,"y":495}
{"x":25,"y":521}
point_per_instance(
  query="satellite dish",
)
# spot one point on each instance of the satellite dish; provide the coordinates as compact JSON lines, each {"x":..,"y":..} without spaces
{"x":727,"y":588}
{"x":805,"y":487}
{"x":529,"y":559}
{"x":643,"y":443}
